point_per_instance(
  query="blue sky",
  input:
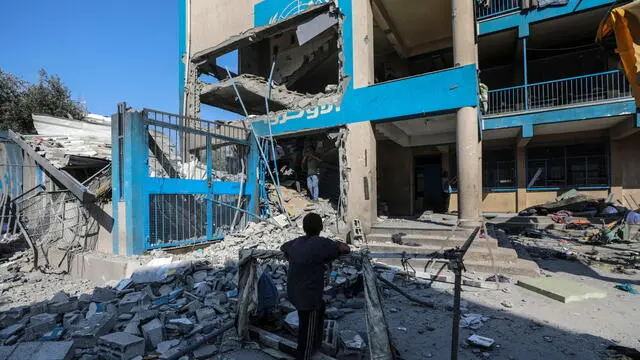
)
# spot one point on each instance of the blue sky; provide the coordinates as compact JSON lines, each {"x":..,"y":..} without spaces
{"x":104,"y":51}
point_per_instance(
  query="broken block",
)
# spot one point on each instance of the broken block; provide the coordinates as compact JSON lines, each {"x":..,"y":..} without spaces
{"x":205,"y":313}
{"x":103,"y":294}
{"x":39,"y":325}
{"x":70,"y":320}
{"x":153,"y":333}
{"x":120,"y":345}
{"x":131,"y":300}
{"x":38,"y":308}
{"x":205,"y":352}
{"x":55,"y":350}
{"x":60,"y":297}
{"x":63,"y":307}
{"x":11,"y":330}
{"x":89,"y":330}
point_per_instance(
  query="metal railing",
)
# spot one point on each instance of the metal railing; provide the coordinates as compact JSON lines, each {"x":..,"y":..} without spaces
{"x":490,"y":8}
{"x":181,"y":147}
{"x":606,"y":86}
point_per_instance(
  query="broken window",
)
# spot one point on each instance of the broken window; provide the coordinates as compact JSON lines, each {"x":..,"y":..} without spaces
{"x":568,"y":166}
{"x":303,"y":52}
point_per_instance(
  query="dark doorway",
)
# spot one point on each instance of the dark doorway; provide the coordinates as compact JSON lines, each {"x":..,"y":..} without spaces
{"x":428,"y":173}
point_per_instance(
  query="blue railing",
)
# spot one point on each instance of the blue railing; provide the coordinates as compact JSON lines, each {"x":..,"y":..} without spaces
{"x":489,"y":8}
{"x":606,"y":86}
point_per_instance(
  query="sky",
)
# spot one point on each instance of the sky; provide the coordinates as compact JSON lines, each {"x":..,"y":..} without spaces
{"x":105,"y":52}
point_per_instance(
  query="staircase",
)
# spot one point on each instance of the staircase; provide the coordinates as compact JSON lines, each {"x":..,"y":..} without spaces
{"x":421,"y":237}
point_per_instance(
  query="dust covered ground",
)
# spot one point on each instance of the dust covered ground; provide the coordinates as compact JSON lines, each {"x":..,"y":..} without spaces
{"x":524,"y":324}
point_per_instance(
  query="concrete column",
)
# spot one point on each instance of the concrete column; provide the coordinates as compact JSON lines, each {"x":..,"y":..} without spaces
{"x":362,"y":202}
{"x":192,"y":90}
{"x":521,"y":173}
{"x":468,"y":144}
{"x":360,"y":144}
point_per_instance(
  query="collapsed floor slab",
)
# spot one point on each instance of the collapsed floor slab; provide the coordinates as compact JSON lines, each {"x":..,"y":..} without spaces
{"x":252,"y":90}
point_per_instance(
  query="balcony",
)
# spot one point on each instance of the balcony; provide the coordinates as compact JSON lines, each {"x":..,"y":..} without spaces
{"x":594,"y":88}
{"x":490,"y":8}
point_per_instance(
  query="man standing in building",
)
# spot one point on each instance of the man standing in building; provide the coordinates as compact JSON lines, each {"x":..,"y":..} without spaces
{"x":446,"y":192}
{"x":308,"y":255}
{"x":312,"y":160}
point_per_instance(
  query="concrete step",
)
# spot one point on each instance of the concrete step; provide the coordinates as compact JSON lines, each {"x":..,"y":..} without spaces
{"x":518,"y":267}
{"x":420,"y":230}
{"x":475,"y":252}
{"x":432,"y":240}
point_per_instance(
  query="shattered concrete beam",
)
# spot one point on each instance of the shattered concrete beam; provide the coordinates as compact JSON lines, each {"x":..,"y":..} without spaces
{"x":69,"y":182}
{"x":252,"y":90}
{"x":66,"y":180}
{"x":206,"y":59}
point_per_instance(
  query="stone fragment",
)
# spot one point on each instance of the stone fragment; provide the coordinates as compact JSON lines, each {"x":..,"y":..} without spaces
{"x":205,"y":352}
{"x":205,"y":313}
{"x":89,"y":330}
{"x":103,"y":294}
{"x":153,"y":333}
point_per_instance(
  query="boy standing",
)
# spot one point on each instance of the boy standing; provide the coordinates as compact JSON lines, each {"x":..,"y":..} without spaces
{"x":307,"y":257}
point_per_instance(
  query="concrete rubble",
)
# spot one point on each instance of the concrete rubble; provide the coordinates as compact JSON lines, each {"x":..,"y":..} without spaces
{"x":157,"y":313}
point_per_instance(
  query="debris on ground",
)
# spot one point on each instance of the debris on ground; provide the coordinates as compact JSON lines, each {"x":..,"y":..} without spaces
{"x":628,"y":288}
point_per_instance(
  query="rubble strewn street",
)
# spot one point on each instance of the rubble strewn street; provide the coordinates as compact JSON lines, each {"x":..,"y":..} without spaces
{"x":166,"y":308}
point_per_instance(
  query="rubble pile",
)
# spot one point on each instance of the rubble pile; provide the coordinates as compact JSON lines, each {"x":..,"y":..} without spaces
{"x":158,"y":311}
{"x":584,"y":218}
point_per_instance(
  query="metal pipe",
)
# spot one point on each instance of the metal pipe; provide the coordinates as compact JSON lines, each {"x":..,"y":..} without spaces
{"x":264,"y":158}
{"x":405,"y":294}
{"x":266,"y":103}
{"x":235,"y":216}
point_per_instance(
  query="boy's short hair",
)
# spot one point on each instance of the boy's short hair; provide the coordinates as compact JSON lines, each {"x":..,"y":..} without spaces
{"x":312,"y":224}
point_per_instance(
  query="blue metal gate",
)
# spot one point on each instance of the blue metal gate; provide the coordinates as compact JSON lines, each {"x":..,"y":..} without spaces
{"x":180,"y":180}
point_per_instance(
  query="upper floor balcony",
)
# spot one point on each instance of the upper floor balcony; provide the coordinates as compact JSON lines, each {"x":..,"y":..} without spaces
{"x":489,"y":8}
{"x":609,"y":86}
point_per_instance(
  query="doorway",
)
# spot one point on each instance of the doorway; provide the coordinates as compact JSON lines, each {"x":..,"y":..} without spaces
{"x":428,"y":170}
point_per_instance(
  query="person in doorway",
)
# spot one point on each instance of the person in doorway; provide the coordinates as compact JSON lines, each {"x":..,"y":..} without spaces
{"x":308,"y":256}
{"x":446,"y":191}
{"x":312,"y":160}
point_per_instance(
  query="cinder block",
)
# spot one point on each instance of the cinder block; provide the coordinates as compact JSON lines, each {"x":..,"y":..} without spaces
{"x":25,"y":350}
{"x":63,"y":307}
{"x":6,"y":351}
{"x":55,"y":350}
{"x":89,"y":330}
{"x":131,"y":300}
{"x":39,"y":325}
{"x":103,"y":294}
{"x":11,"y":330}
{"x":121,"y":345}
{"x":153,"y":333}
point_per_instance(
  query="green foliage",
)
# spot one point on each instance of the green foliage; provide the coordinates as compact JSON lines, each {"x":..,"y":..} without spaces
{"x":19,"y":99}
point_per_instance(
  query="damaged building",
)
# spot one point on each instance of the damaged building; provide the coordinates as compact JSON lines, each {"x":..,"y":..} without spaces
{"x":400,"y":81}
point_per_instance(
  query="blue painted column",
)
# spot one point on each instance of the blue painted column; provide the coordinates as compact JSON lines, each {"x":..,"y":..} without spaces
{"x":135,"y":174}
{"x":253,"y":176}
